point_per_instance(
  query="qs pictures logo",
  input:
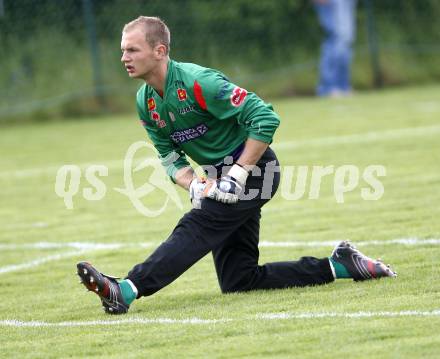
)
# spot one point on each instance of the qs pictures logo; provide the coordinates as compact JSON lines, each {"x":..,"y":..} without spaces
{"x":68,"y":180}
{"x":156,"y":180}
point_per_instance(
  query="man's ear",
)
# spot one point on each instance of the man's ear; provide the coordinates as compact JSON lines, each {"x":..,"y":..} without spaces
{"x":160,"y":51}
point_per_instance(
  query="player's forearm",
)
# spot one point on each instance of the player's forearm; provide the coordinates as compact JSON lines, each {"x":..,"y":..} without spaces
{"x":253,"y":150}
{"x":184,"y":176}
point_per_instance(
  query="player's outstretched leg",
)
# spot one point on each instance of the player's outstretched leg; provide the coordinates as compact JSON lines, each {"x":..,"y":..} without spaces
{"x":348,"y":262}
{"x":114,"y":301}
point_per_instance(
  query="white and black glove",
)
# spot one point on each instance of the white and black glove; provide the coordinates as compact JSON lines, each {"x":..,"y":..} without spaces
{"x":228,"y":188}
{"x":196,"y":189}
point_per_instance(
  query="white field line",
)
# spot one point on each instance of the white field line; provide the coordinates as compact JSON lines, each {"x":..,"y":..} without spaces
{"x":52,"y":245}
{"x":76,"y":245}
{"x":313,"y":244}
{"x":91,"y":246}
{"x":405,"y":313}
{"x":322,"y":141}
{"x":81,"y":249}
{"x":192,"y":321}
{"x":39,"y":261}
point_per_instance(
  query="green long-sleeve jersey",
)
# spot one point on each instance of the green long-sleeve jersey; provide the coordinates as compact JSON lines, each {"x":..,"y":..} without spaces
{"x":202,"y":115}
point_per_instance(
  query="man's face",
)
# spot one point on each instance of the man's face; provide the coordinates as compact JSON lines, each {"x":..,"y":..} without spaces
{"x":139,"y":59}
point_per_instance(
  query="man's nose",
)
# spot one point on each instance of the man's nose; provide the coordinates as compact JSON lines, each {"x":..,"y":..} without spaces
{"x":124,"y":57}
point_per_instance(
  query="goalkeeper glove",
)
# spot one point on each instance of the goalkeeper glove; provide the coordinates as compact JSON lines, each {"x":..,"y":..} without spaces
{"x":228,"y":188}
{"x":196,"y":189}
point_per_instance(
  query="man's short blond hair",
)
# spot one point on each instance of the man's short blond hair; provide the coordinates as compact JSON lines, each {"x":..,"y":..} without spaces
{"x":156,"y":31}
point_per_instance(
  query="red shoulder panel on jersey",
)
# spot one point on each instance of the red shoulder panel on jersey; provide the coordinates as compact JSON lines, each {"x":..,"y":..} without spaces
{"x":198,"y":93}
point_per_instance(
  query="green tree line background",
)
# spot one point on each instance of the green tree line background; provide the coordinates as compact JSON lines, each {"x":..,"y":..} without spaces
{"x":271,"y":47}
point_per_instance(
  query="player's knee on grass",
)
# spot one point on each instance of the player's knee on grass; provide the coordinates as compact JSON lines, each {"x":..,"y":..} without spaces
{"x":227,"y":290}
{"x":237,"y":286}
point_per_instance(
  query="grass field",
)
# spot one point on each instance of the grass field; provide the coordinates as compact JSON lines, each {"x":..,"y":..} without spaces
{"x":45,"y":313}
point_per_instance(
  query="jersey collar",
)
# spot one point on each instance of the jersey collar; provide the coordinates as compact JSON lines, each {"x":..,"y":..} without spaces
{"x":169,"y":78}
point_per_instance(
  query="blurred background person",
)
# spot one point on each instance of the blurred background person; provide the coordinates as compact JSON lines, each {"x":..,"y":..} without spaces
{"x":338,"y":20}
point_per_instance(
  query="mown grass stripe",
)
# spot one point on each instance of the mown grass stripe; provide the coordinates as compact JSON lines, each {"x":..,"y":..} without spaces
{"x":414,"y":241}
{"x":85,"y":247}
{"x":38,"y":324}
{"x":285,"y":145}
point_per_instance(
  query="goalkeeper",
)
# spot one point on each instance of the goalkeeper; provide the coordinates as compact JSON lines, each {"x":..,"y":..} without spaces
{"x":190,"y":110}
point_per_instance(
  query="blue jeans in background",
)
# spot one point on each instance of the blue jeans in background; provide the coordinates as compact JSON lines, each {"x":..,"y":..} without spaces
{"x":337,"y":18}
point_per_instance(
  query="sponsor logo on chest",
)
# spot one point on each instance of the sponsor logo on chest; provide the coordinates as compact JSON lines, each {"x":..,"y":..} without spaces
{"x":189,"y":134}
{"x":181,"y":94}
{"x":151,"y":104}
{"x":155,"y":116}
{"x":186,"y":109}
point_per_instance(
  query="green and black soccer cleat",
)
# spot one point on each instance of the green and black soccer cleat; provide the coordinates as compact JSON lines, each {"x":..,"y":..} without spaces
{"x":106,"y":287}
{"x":359,"y":265}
